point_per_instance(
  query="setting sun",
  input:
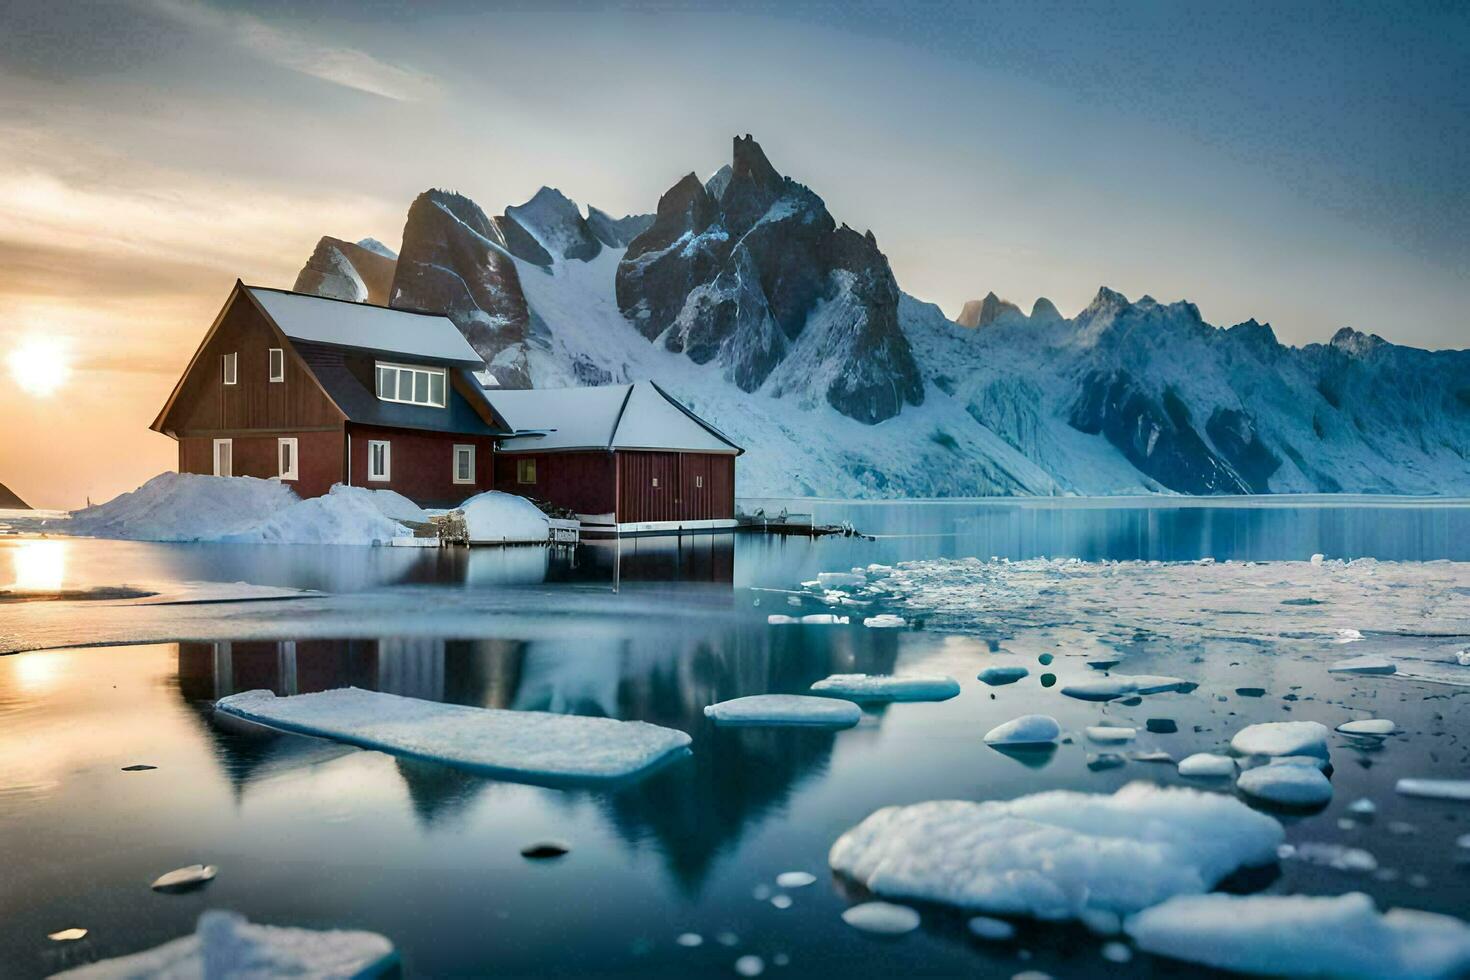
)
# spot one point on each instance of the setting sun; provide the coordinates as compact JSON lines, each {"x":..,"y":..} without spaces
{"x":39,"y":366}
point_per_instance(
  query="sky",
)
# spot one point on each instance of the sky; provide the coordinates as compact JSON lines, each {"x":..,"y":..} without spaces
{"x":1306,"y":164}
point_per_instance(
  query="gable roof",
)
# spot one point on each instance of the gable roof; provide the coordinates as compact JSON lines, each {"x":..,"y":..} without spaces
{"x":348,"y":379}
{"x":362,"y":326}
{"x":631,"y":416}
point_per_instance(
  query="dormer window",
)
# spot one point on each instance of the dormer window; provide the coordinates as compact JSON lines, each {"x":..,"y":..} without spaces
{"x":412,"y":385}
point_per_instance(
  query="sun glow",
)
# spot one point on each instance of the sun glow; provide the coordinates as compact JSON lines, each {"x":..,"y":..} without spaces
{"x":39,"y":366}
{"x":40,"y":566}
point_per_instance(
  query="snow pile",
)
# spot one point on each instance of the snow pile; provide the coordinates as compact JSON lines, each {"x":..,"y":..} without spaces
{"x":345,"y":515}
{"x":226,"y":945}
{"x":785,"y":709}
{"x":1060,"y":854}
{"x":183,"y":507}
{"x":1281,"y":935}
{"x":530,"y":744}
{"x":496,"y":516}
{"x":878,"y":687}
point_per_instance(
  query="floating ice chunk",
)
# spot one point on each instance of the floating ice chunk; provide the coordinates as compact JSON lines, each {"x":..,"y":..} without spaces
{"x":1206,"y":765}
{"x":838,"y":580}
{"x":781,"y":901}
{"x":879,"y":571}
{"x":1363,"y":665}
{"x":1110,"y":734}
{"x":1286,"y":785}
{"x":785,"y":709}
{"x":527,"y":744}
{"x":795,"y":879}
{"x":1434,"y":789}
{"x":1318,"y":558}
{"x":1310,"y":761}
{"x":996,"y":676}
{"x":776,"y":619}
{"x":185,"y":879}
{"x":750,"y":966}
{"x":885,"y":621}
{"x":225,"y":944}
{"x":1117,"y":686}
{"x":67,"y":935}
{"x":1058,"y":854}
{"x":1347,"y":636}
{"x":1363,"y":807}
{"x":1116,"y":952}
{"x":1336,"y":856}
{"x":884,"y":918}
{"x":1282,"y":738}
{"x":1025,"y":730}
{"x":887,"y":687}
{"x":1296,"y":935}
{"x":1372,"y":727}
{"x":824,"y":619}
{"x":689,"y":940}
{"x":993,"y":930}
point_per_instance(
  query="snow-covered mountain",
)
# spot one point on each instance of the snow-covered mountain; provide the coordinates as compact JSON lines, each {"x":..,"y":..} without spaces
{"x":744,"y":298}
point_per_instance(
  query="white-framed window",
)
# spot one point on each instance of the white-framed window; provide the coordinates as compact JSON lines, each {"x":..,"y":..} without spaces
{"x":464,"y":464}
{"x":525,"y":471}
{"x":655,"y":483}
{"x":412,"y":385}
{"x":286,"y":454}
{"x":278,"y":364}
{"x":230,"y":367}
{"x":224,"y":457}
{"x":698,"y":482}
{"x":380,"y":460}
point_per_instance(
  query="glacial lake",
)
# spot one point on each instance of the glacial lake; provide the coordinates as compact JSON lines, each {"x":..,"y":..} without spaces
{"x":311,"y":833}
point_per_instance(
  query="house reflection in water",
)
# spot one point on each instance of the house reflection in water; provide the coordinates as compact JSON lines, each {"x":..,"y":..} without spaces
{"x":694,"y":810}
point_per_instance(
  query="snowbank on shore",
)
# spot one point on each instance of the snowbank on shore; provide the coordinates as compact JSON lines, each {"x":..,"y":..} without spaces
{"x":495,"y":516}
{"x":243,"y":509}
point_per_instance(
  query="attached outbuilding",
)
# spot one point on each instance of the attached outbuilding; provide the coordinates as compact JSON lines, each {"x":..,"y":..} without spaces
{"x":625,"y":458}
{"x":316,"y":391}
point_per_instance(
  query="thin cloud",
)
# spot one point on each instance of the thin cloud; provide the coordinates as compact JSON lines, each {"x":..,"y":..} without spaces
{"x":348,"y":67}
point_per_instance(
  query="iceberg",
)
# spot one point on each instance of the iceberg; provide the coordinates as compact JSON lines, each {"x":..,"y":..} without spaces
{"x":526,"y":745}
{"x":785,"y":709}
{"x":1059,"y":854}
{"x":1282,"y":738}
{"x":1297,"y":935}
{"x":880,"y":687}
{"x":224,"y":944}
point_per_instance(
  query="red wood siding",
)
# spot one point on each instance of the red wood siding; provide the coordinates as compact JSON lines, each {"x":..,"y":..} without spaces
{"x":677,"y":495}
{"x":318,"y":467}
{"x":205,"y":404}
{"x":422,"y":464}
{"x":584,"y":482}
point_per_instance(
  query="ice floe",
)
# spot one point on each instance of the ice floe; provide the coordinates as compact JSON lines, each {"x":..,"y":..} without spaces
{"x":185,"y":879}
{"x":888,"y":687}
{"x":991,"y":930}
{"x":1370,"y":727}
{"x":1206,"y":765}
{"x":840,"y":580}
{"x":1118,"y":686}
{"x":884,"y":918}
{"x":997,"y":676}
{"x":1341,"y":936}
{"x":795,"y":879}
{"x":1364,"y":665}
{"x":1056,"y":855}
{"x":1434,"y":789}
{"x":885,"y":621}
{"x":1110,"y":734}
{"x":1025,"y":730}
{"x":1286,"y":785}
{"x":531,"y":745}
{"x":785,"y":709}
{"x":1282,"y":738}
{"x":226,"y":945}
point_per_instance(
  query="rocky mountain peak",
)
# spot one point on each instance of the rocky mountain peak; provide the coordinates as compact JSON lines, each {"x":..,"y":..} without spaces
{"x":10,"y":501}
{"x":351,"y":271}
{"x":749,"y":163}
{"x":554,"y":222}
{"x":1045,"y":311}
{"x":1355,"y":343}
{"x":373,"y":245}
{"x":982,"y":313}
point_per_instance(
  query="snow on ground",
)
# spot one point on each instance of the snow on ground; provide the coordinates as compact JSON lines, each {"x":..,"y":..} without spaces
{"x":1297,"y":935}
{"x":527,"y":744}
{"x":226,"y":945}
{"x":874,"y":687}
{"x":504,"y":517}
{"x":1060,"y":854}
{"x":785,"y":709}
{"x":243,"y":509}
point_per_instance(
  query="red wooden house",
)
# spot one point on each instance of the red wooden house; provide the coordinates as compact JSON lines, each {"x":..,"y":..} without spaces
{"x":318,"y":391}
{"x":626,"y":458}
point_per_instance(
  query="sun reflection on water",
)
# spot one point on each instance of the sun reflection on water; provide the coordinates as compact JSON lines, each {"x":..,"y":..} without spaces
{"x":39,"y":565}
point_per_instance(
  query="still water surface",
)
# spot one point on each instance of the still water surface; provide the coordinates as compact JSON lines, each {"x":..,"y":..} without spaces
{"x":307,"y":832}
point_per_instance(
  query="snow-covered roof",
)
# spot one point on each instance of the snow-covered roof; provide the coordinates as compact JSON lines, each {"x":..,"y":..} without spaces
{"x":631,"y":416}
{"x":342,"y":324}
